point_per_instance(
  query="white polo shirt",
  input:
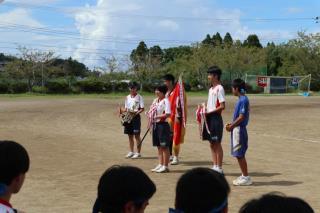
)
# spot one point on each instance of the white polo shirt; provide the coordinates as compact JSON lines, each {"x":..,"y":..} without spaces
{"x":6,"y":207}
{"x":215,"y":98}
{"x":134,"y":103}
{"x":163,"y":107}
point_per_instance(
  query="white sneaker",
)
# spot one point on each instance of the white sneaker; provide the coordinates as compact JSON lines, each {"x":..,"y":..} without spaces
{"x":162,"y":169}
{"x":171,"y":158}
{"x":136,"y":155}
{"x":175,"y":160}
{"x":217,"y":169}
{"x":156,"y":168}
{"x":130,"y":155}
{"x":242,"y":181}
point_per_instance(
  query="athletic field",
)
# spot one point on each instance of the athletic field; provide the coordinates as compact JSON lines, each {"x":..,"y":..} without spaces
{"x":72,"y":141}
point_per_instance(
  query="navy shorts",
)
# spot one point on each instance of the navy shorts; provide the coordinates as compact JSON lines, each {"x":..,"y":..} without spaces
{"x":239,"y":141}
{"x":215,"y":126}
{"x":161,"y":134}
{"x":134,"y":127}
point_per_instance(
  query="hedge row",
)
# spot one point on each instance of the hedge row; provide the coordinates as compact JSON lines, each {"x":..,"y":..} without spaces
{"x":13,"y":87}
{"x":62,"y":86}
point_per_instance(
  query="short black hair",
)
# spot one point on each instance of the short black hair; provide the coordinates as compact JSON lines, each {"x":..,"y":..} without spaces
{"x":215,"y":70}
{"x":133,"y":85}
{"x":14,"y":160}
{"x":201,"y":190}
{"x":121,"y":184}
{"x":276,"y":203}
{"x":239,"y":84}
{"x":169,"y":77}
{"x":162,"y":88}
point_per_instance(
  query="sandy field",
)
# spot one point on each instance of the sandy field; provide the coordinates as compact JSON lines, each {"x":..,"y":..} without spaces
{"x":72,"y":141}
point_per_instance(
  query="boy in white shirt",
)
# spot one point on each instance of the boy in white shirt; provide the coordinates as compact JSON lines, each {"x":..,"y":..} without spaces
{"x":134,"y":103}
{"x":214,"y":128}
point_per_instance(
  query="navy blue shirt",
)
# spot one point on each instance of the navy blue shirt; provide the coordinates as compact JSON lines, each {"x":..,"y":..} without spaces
{"x":242,"y":107}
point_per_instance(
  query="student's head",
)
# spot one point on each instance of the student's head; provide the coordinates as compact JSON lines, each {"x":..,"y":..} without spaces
{"x":14,"y":164}
{"x":161,"y":91}
{"x":214,"y":73}
{"x":168,"y":80}
{"x":133,"y":87}
{"x":238,"y":87}
{"x":202,"y":190}
{"x":276,"y":203}
{"x":124,"y":189}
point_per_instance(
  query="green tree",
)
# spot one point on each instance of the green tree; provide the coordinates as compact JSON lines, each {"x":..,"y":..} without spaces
{"x":217,"y":39}
{"x":252,"y":41}
{"x":273,"y":58}
{"x":207,"y":40}
{"x":227,"y":40}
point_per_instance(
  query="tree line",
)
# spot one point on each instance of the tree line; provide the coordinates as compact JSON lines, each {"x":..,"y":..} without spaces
{"x":41,"y":71}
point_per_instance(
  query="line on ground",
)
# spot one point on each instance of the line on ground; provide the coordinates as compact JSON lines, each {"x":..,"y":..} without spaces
{"x":274,"y":136}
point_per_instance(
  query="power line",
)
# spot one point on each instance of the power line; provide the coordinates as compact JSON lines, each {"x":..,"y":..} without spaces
{"x":107,"y":39}
{"x":75,"y":35}
{"x":143,"y":16}
{"x":64,"y":47}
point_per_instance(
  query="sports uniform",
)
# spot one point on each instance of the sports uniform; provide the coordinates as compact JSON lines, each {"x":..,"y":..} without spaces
{"x":239,"y":135}
{"x":161,"y":129}
{"x":5,"y":207}
{"x":214,"y":129}
{"x":134,"y":104}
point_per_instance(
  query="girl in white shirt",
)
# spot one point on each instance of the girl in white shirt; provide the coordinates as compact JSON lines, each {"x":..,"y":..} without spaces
{"x":161,"y":128}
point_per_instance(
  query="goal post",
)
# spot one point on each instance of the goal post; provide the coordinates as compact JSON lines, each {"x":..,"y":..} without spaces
{"x":278,"y":84}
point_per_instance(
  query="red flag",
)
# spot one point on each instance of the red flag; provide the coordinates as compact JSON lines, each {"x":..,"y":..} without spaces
{"x":178,"y":116}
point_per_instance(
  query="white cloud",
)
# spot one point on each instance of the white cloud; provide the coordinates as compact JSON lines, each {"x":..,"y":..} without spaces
{"x":294,"y":10}
{"x":169,"y":24}
{"x":11,"y":33}
{"x":19,"y":16}
{"x":99,"y":27}
{"x":29,"y":2}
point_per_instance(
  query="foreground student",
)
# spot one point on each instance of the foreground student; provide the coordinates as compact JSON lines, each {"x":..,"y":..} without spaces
{"x":238,"y":129}
{"x":123,"y":189}
{"x":276,"y":203}
{"x":14,"y":164}
{"x":201,"y":190}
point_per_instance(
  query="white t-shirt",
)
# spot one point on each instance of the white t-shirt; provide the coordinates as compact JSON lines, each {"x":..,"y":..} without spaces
{"x":163,"y":107}
{"x":215,"y":98}
{"x":5,"y":208}
{"x":134,"y":103}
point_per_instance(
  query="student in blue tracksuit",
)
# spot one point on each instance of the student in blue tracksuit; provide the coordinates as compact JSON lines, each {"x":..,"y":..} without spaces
{"x":238,"y":129}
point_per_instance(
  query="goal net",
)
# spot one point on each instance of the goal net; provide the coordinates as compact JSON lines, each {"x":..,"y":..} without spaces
{"x":278,"y":84}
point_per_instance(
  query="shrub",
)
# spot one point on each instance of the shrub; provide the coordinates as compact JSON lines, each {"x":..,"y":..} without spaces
{"x":18,"y":87}
{"x":4,"y":87}
{"x":39,"y":89}
{"x":58,"y":86}
{"x":91,"y":86}
{"x":121,"y":87}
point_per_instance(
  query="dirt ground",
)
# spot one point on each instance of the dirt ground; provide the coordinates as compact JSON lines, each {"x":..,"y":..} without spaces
{"x":72,"y":141}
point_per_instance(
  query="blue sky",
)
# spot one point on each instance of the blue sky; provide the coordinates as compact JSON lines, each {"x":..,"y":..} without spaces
{"x":90,"y":29}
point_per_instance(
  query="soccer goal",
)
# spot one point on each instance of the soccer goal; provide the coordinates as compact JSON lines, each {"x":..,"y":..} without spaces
{"x":278,"y":84}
